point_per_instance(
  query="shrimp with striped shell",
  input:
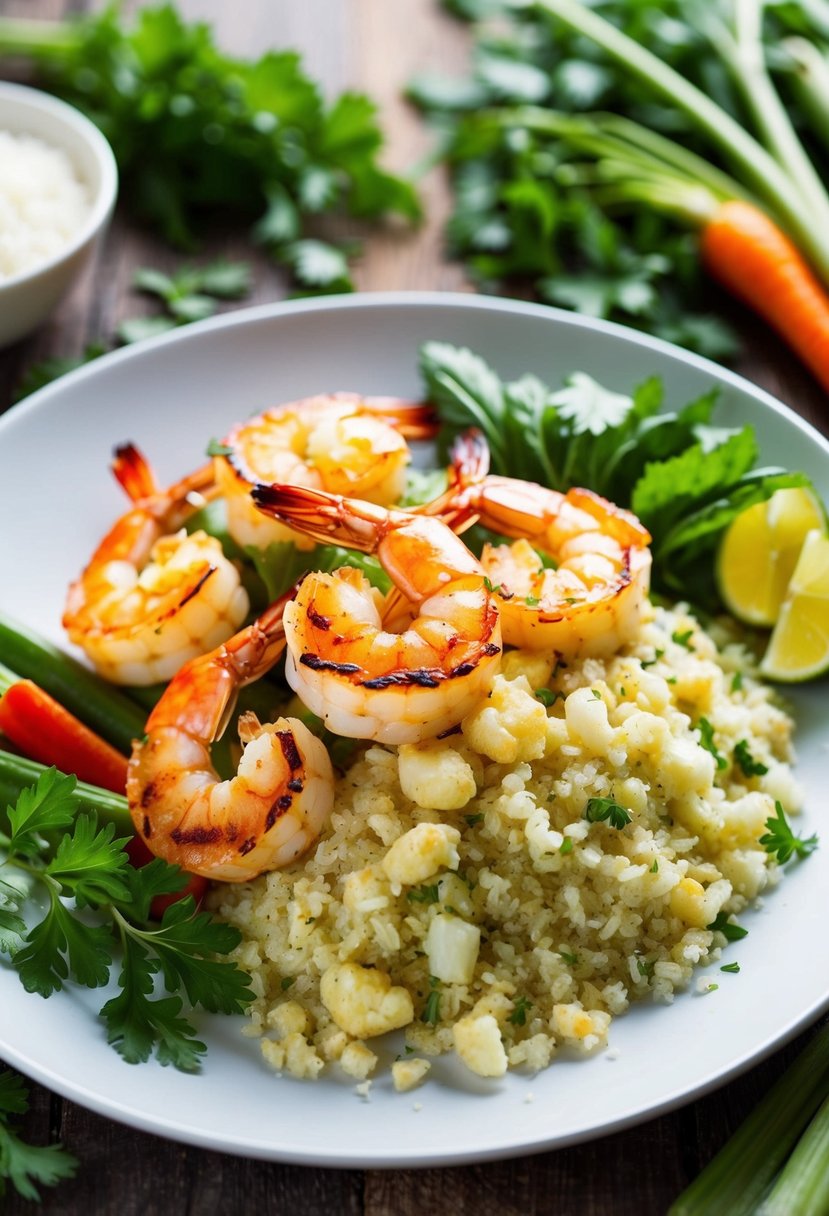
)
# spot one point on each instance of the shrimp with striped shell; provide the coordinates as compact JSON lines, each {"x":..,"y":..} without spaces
{"x":153,"y":596}
{"x":369,"y":677}
{"x":276,"y":804}
{"x":574,"y":579}
{"x":339,"y":442}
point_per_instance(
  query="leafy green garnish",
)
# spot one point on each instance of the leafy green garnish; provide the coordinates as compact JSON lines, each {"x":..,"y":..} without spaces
{"x":431,"y":1010}
{"x":744,"y":759}
{"x":98,"y":901}
{"x":606,"y":810}
{"x":730,"y":931}
{"x":566,"y":845}
{"x":779,"y":838}
{"x":38,"y":375}
{"x":199,"y":134}
{"x":424,"y":894}
{"x":518,"y":1017}
{"x":26,"y":1166}
{"x":706,"y":738}
{"x":684,"y":478}
{"x":731,"y":968}
{"x":192,"y":293}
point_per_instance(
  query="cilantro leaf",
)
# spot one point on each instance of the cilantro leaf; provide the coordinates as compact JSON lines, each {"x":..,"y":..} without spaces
{"x":779,"y":838}
{"x":45,"y":807}
{"x":26,"y":1166}
{"x":601,"y":810}
{"x":90,"y":863}
{"x":706,"y":738}
{"x":730,"y":931}
{"x":136,"y":1025}
{"x":744,"y":759}
{"x":183,"y":946}
{"x":521,"y":1006}
{"x":61,"y":945}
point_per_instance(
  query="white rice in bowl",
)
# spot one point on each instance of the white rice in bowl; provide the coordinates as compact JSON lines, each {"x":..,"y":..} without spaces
{"x":462,"y":893}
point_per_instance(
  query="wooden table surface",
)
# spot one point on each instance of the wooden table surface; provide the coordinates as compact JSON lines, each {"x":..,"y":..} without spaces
{"x":374,"y":45}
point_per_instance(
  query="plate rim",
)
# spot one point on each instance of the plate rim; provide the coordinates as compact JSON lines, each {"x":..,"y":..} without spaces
{"x":225,"y":1141}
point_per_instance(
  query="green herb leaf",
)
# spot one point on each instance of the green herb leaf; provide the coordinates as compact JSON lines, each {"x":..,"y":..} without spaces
{"x":706,"y":735}
{"x":730,"y":931}
{"x":45,"y":807}
{"x":746,"y":762}
{"x":779,"y":838}
{"x":425,"y":894}
{"x":731,"y":968}
{"x":431,"y":1010}
{"x":521,"y":1007}
{"x":606,"y":810}
{"x":27,"y":1166}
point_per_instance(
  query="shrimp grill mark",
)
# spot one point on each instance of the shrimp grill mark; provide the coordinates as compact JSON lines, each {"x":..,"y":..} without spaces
{"x":317,"y":664}
{"x":316,"y":618}
{"x":197,"y":586}
{"x":490,"y":649}
{"x":453,"y":730}
{"x":278,"y":808}
{"x":148,"y":795}
{"x":247,"y":846}
{"x":290,"y":750}
{"x":147,"y":828}
{"x":296,"y":785}
{"x":196,"y":835}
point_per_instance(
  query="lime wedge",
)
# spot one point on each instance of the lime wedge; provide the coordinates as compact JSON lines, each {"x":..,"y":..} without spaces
{"x":759,"y":552}
{"x":799,"y":645}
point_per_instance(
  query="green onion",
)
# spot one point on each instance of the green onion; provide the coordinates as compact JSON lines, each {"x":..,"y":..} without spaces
{"x":107,"y":710}
{"x":802,"y":1187}
{"x":739,"y":1176}
{"x":18,"y":773}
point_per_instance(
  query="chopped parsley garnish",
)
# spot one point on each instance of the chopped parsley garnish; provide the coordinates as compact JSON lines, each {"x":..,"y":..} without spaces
{"x":570,"y":959}
{"x":683,"y":639}
{"x":780,"y":838}
{"x":600,"y":810}
{"x":706,"y":733}
{"x":657,"y":655}
{"x":596,"y":694}
{"x":566,"y":845}
{"x":711,"y":988}
{"x":287,"y":982}
{"x":730,"y":931}
{"x":744,"y":758}
{"x":425,"y":894}
{"x":737,"y":681}
{"x":532,"y":601}
{"x":655,"y":866}
{"x":645,"y":966}
{"x":518,"y":1017}
{"x":731,"y":968}
{"x":431,"y":1010}
{"x":547,"y":696}
{"x":473,"y":819}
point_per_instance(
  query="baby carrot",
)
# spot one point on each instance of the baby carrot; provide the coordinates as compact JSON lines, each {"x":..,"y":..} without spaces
{"x":44,"y":731}
{"x":746,"y":251}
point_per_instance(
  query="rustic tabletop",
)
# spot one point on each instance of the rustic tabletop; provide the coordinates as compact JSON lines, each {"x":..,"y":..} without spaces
{"x":374,"y":45}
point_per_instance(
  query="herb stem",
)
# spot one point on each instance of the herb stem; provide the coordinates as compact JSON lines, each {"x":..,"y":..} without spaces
{"x":738,"y":1177}
{"x":810,"y":81}
{"x":754,"y":163}
{"x":36,"y":39}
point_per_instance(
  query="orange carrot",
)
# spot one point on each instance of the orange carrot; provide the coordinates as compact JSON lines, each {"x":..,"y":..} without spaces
{"x":745,"y":251}
{"x":44,"y":731}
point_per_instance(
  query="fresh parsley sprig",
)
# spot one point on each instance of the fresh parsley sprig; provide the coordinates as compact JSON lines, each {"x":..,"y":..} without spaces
{"x":779,"y":838}
{"x":26,"y":1166}
{"x":607,"y":810}
{"x":98,"y":901}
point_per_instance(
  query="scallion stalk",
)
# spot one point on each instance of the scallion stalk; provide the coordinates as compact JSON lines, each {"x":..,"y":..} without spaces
{"x":737,"y":1179}
{"x":101,"y":706}
{"x":753,"y":163}
{"x":802,"y":1187}
{"x":17,"y":773}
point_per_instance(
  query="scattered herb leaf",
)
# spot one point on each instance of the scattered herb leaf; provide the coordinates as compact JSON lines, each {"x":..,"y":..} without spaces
{"x":780,"y":838}
{"x":600,"y":810}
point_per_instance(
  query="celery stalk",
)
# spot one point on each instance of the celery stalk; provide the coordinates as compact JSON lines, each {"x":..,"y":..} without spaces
{"x":736,"y":1180}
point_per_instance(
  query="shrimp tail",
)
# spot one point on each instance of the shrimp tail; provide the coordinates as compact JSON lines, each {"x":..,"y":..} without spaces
{"x":133,"y":472}
{"x":469,"y":460}
{"x":323,"y":516}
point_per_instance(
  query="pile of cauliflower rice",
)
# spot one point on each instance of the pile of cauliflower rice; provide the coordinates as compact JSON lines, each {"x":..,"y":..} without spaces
{"x":462,"y":895}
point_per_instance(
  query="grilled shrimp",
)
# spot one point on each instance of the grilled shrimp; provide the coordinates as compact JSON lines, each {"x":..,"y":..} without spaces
{"x":270,"y":811}
{"x":151,"y":596}
{"x":366,"y":679}
{"x":589,"y":602}
{"x":339,"y":442}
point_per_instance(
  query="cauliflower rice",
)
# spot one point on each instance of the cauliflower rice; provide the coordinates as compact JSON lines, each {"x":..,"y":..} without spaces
{"x":462,"y":894}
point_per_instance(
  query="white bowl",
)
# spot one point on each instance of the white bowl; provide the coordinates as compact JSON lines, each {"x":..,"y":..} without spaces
{"x":27,"y":299}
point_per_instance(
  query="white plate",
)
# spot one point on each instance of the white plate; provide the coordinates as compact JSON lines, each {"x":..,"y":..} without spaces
{"x":170,"y":396}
